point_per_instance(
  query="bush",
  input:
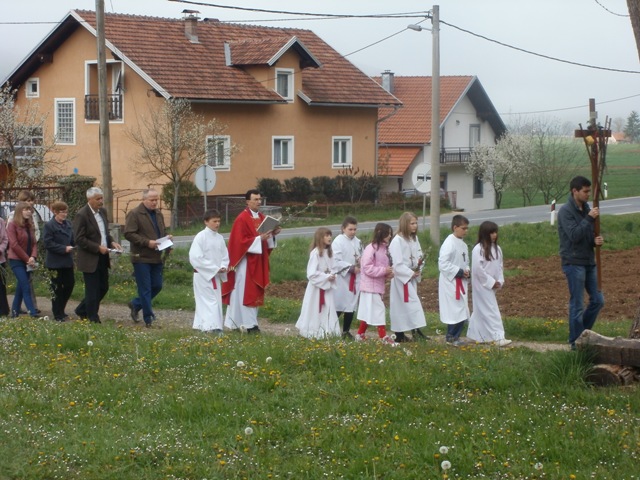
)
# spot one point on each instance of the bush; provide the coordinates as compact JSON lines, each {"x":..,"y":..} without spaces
{"x":324,"y":187}
{"x":188,"y":193}
{"x":271,"y":189}
{"x":297,"y":189}
{"x":75,"y":191}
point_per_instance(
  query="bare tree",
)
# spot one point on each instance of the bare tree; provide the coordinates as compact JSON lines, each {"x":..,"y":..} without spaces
{"x":173,"y":144}
{"x":23,"y":144}
{"x":618,"y":124}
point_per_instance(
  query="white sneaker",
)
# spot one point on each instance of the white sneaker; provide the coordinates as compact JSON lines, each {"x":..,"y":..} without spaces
{"x":503,"y":342}
{"x":387,"y":340}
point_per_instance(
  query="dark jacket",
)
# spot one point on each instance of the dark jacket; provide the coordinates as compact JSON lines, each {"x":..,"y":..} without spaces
{"x":139,"y":229}
{"x":18,"y":241}
{"x":577,"y":234}
{"x":87,"y":236}
{"x":57,"y":237}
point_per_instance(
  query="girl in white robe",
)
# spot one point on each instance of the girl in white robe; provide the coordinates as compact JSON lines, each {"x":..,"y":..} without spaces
{"x":318,"y":317}
{"x":347,"y":250}
{"x":487,"y":276}
{"x":406,"y":255}
{"x":453,"y":263}
{"x":209,"y":258}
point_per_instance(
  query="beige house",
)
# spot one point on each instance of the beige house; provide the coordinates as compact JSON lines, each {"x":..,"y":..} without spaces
{"x":292,"y":105}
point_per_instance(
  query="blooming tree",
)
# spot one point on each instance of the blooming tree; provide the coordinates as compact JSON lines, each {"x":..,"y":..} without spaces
{"x":172,"y":141}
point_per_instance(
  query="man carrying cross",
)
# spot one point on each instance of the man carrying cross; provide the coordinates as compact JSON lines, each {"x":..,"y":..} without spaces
{"x":576,"y":222}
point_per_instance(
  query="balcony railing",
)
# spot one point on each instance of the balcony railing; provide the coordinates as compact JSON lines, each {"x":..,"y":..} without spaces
{"x":455,"y":155}
{"x":92,"y":107}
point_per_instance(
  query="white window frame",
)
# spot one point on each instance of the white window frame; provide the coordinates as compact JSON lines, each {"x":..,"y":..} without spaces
{"x":29,"y":91}
{"x":116,"y":74}
{"x":289,"y":73}
{"x":212,"y":157}
{"x":342,"y":162}
{"x":290,"y":153}
{"x":57,"y":103}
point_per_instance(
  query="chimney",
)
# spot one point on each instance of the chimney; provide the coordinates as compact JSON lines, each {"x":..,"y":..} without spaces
{"x":387,"y":80}
{"x":191,"y":25}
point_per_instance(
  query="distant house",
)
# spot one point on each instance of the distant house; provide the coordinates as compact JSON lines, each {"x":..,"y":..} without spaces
{"x":467,"y":118}
{"x":292,"y":104}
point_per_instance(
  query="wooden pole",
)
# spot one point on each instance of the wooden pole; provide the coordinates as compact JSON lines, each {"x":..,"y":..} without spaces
{"x":594,"y":155}
{"x":104,"y":138}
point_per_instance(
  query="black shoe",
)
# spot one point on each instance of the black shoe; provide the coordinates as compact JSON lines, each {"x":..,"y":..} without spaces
{"x":59,"y":319}
{"x":253,"y":330}
{"x":95,"y":320}
{"x":133,"y":313}
{"x":347,"y":336}
{"x":418,"y":335}
{"x":38,"y":311}
{"x":402,"y":338}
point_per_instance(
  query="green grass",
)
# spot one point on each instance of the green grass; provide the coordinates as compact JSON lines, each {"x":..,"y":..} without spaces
{"x":163,"y":404}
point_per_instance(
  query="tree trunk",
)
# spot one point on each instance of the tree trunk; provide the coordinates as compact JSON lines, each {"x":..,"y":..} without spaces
{"x":605,"y":375}
{"x":634,"y":13}
{"x":635,"y":327}
{"x":616,"y":351}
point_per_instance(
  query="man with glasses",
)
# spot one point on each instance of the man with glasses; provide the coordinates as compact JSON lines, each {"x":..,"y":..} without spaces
{"x":248,"y":275}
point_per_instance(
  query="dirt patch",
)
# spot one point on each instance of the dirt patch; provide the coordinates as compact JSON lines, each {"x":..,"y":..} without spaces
{"x":537,"y":287}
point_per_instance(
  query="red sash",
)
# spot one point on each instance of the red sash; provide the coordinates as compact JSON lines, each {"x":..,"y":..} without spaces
{"x":321,"y":301}
{"x":352,"y":283}
{"x":459,"y":288}
{"x":215,"y":285}
{"x":406,"y":292}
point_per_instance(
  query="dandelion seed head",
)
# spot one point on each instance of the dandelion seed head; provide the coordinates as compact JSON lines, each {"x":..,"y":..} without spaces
{"x":538,"y":466}
{"x":89,"y":343}
{"x":248,"y":431}
{"x":445,"y":465}
{"x":46,"y":318}
{"x":444,"y":450}
{"x":269,"y":359}
{"x":381,"y":361}
{"x":408,"y":352}
{"x":240,"y":364}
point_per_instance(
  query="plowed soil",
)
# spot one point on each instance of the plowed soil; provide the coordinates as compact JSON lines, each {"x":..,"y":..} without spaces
{"x":537,"y":287}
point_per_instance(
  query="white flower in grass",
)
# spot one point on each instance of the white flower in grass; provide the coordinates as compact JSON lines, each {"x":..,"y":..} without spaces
{"x":444,"y":450}
{"x":89,"y":343}
{"x":408,"y":352}
{"x":46,"y":318}
{"x":381,"y":361}
{"x":445,"y":465}
{"x":438,"y":331}
{"x":269,"y":359}
{"x":240,"y":364}
{"x":538,"y":466}
{"x":248,"y":431}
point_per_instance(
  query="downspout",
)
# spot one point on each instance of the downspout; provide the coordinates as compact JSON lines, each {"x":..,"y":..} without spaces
{"x":378,"y":122}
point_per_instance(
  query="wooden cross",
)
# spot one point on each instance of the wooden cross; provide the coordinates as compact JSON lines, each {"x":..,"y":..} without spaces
{"x":595,"y":139}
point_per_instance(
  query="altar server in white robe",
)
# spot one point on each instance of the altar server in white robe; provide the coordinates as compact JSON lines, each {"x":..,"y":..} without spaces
{"x":347,"y":250}
{"x":407,"y":261}
{"x":209,"y":258}
{"x":453,"y":263}
{"x":318,"y":317}
{"x":487,"y":277}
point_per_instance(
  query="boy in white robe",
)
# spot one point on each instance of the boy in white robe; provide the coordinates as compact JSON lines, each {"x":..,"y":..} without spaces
{"x":453,"y":263}
{"x":209,"y":258}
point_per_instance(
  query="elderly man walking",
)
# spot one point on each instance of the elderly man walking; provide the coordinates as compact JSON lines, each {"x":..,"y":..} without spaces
{"x":144,"y":225}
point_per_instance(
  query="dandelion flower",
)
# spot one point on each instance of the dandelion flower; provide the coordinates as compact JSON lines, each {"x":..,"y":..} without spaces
{"x":89,"y":343}
{"x":381,"y":361}
{"x":408,"y":352}
{"x":248,"y":431}
{"x":444,"y":450}
{"x":269,"y":359}
{"x":538,"y":466}
{"x":240,"y":364}
{"x":445,"y":465}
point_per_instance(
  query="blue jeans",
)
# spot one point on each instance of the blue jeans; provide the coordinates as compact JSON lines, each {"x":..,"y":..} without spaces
{"x":581,"y":278}
{"x":149,"y":282}
{"x":23,"y":288}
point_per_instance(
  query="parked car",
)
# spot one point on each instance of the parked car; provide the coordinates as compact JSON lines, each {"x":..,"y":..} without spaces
{"x":42,"y":211}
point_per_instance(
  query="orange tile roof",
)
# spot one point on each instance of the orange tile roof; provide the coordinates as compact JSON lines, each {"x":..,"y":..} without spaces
{"x":394,"y":161}
{"x":412,"y":123}
{"x":159,"y":48}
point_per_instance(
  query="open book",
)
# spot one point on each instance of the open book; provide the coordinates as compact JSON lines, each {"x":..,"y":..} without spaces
{"x":269,"y":223}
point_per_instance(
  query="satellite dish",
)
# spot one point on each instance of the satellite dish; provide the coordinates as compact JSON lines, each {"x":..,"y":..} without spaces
{"x":205,"y":178}
{"x":421,"y":177}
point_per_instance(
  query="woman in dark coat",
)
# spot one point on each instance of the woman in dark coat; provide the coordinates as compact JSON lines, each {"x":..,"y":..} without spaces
{"x":59,"y":244}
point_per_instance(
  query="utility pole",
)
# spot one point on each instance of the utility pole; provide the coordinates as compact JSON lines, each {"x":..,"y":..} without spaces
{"x":105,"y":141}
{"x":434,"y":216}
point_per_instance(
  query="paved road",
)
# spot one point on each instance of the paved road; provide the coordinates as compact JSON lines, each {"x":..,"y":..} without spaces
{"x":537,"y":214}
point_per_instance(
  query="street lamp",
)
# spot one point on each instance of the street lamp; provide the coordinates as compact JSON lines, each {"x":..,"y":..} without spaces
{"x":434,"y":215}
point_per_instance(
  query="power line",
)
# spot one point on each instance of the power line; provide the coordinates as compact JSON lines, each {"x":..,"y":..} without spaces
{"x":611,"y":12}
{"x":569,"y":108}
{"x":548,"y":57}
{"x":418,"y":14}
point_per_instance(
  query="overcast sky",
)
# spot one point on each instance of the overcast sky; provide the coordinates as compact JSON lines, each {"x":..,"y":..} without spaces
{"x":593,"y":32}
